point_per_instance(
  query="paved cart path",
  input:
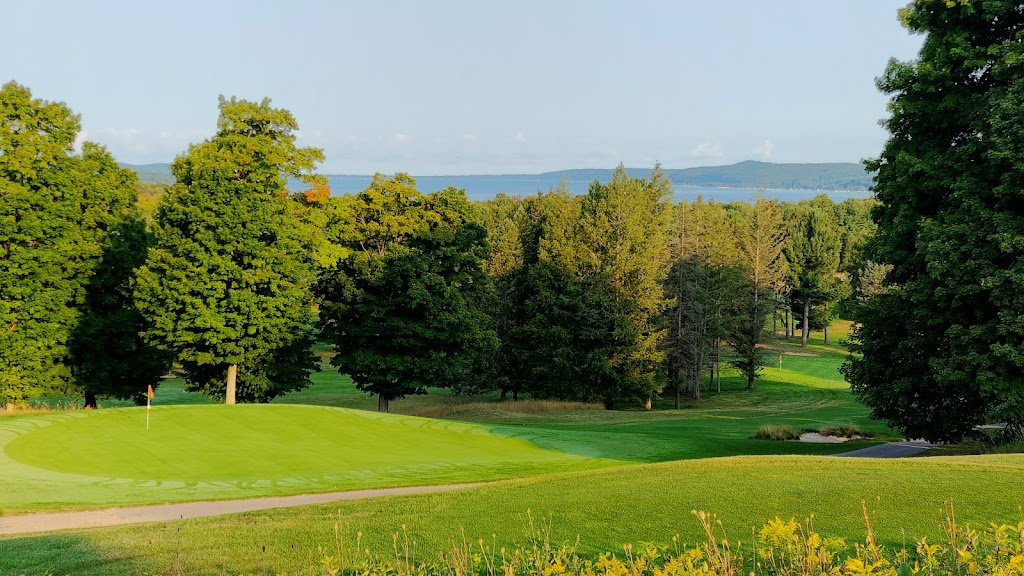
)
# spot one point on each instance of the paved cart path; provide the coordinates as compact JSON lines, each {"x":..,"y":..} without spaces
{"x":889,"y":450}
{"x":46,"y":522}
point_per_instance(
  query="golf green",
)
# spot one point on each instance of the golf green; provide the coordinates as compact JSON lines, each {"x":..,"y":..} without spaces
{"x":261,"y":442}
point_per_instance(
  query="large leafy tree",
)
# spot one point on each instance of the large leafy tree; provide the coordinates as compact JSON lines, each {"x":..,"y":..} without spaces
{"x":942,"y":348}
{"x":401,"y":308}
{"x":36,"y":311}
{"x":228,"y":281}
{"x":60,"y":215}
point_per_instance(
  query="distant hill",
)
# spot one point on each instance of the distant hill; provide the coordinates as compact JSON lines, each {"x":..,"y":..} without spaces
{"x":749,"y":174}
{"x":152,"y":172}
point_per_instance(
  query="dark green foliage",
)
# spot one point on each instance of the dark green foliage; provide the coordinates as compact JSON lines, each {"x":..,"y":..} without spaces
{"x":594,"y":266}
{"x":401,"y":309}
{"x":943,"y":347}
{"x":108,"y":354}
{"x":229,"y":279}
{"x":36,"y":234}
{"x":61,"y":216}
{"x":813,"y":256}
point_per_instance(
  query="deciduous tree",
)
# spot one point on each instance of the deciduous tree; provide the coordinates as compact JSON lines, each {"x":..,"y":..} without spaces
{"x":228,"y":281}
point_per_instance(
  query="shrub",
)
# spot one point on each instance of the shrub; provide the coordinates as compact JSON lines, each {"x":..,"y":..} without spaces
{"x":776,"y":432}
{"x":844,"y":431}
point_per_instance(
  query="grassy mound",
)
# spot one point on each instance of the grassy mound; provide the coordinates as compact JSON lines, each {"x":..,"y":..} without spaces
{"x":197,"y":452}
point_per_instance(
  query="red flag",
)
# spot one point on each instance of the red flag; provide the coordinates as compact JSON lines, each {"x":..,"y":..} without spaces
{"x":150,"y":391}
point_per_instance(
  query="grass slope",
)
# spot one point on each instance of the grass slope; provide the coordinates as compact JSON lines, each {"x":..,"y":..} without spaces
{"x":91,"y":459}
{"x":605,"y":508}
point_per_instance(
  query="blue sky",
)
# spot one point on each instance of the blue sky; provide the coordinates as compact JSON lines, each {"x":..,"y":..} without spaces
{"x":462,"y":87}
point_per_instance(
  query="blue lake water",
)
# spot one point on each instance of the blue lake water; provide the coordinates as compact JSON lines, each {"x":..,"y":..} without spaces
{"x":486,"y":187}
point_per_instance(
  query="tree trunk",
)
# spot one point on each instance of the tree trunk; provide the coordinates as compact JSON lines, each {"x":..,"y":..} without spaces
{"x":609,"y":403}
{"x":775,"y":322}
{"x":750,"y":381}
{"x":515,"y":394}
{"x":806,"y":324}
{"x":382,"y":403}
{"x":90,"y":400}
{"x":718,"y":366}
{"x":677,"y":381}
{"x":229,"y":396}
{"x":826,"y":335}
{"x":504,"y":394}
{"x":9,"y":407}
{"x":789,"y":327}
{"x":647,"y":404}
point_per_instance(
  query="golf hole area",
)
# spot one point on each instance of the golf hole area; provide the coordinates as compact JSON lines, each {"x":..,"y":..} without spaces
{"x":260,"y":443}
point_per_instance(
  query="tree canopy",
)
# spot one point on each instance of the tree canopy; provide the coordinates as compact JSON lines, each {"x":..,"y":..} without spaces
{"x":229,"y":277}
{"x":941,"y":348}
{"x":401,"y":308}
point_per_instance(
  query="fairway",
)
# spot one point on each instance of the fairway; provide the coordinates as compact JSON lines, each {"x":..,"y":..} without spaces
{"x":604,"y":508}
{"x":216,"y":452}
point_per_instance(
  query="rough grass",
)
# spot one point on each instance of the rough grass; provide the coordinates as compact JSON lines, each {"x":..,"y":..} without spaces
{"x":844,"y":431}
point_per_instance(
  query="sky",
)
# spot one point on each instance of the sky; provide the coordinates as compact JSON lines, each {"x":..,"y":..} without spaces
{"x":448,"y":87}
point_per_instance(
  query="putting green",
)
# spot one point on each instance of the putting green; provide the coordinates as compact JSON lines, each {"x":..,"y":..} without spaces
{"x":271,"y":446}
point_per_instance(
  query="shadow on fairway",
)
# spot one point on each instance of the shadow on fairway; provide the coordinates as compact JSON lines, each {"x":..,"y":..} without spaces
{"x":61,"y":554}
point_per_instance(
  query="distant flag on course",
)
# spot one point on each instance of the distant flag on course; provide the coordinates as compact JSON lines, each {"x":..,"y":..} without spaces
{"x":149,"y":396}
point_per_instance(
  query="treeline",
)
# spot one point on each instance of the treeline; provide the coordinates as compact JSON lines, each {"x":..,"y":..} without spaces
{"x":615,"y":295}
{"x":620,"y":295}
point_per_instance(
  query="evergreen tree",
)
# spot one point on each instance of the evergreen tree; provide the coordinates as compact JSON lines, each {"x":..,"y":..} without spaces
{"x":762,"y":239}
{"x":941,"y":350}
{"x":813,"y":256}
{"x":228,"y":280}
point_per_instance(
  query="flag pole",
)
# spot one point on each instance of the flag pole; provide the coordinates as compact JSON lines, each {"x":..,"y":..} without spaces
{"x":149,"y":396}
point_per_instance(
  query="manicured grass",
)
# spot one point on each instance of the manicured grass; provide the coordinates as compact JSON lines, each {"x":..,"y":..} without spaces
{"x":605,"y":508}
{"x":74,"y":460}
{"x":102,"y":458}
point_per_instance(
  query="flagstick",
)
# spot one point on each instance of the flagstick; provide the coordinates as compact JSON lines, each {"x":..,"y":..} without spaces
{"x":147,"y":412}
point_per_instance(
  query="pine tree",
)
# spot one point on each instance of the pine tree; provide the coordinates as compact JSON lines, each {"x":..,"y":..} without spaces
{"x":762,"y":239}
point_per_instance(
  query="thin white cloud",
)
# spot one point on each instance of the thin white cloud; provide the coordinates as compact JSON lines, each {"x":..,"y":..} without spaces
{"x":707,"y":150}
{"x":765,"y":150}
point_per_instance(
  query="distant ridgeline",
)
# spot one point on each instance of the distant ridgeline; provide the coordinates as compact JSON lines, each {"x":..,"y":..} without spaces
{"x":723,"y":183}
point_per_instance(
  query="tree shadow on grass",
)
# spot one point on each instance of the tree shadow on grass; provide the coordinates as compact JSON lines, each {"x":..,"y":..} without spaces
{"x":60,"y":554}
